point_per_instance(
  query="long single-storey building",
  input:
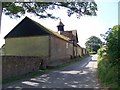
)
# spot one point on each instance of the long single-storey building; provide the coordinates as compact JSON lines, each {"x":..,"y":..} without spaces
{"x":31,"y":39}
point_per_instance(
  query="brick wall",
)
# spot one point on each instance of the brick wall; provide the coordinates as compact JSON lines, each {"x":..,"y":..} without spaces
{"x":19,"y":65}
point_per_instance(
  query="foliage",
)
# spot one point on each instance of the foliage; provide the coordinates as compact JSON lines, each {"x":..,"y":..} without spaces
{"x":109,"y":58}
{"x":102,"y":51}
{"x":107,"y":73}
{"x":93,"y":44}
{"x":112,"y":45}
{"x":113,"y":48}
{"x":16,"y":9}
{"x":93,"y":52}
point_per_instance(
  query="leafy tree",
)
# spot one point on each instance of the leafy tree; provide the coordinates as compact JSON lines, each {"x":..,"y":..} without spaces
{"x":113,"y":45}
{"x":40,"y":9}
{"x":113,"y":49}
{"x":93,"y":44}
{"x":16,"y":9}
{"x":109,"y":65}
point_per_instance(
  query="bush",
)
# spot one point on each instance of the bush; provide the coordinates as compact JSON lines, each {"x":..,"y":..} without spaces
{"x":92,"y":52}
{"x":102,"y":52}
{"x":107,"y":73}
{"x":109,"y":59}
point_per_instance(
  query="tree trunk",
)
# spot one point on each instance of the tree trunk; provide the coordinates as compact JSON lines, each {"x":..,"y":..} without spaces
{"x":0,"y":14}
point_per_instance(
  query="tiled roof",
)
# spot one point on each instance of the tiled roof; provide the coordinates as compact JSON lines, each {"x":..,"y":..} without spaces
{"x":28,"y":27}
{"x":72,"y":34}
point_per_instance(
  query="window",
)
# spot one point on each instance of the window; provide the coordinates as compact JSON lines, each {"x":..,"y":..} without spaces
{"x":66,"y":45}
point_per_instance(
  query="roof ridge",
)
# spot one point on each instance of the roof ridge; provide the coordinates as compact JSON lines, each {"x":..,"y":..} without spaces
{"x":31,"y":21}
{"x":51,"y":32}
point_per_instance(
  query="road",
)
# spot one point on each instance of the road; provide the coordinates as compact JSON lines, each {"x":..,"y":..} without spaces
{"x":81,"y":74}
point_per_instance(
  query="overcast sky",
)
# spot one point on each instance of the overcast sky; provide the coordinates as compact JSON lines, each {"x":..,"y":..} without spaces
{"x":86,"y":26}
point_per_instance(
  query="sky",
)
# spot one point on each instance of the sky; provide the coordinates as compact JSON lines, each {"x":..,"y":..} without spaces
{"x":86,"y":26}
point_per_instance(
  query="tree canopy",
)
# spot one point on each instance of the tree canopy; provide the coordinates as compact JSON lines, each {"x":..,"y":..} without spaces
{"x":16,"y":9}
{"x":93,"y":44}
{"x":113,"y":45}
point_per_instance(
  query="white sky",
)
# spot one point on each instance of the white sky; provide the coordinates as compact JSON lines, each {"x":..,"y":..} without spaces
{"x":107,"y":17}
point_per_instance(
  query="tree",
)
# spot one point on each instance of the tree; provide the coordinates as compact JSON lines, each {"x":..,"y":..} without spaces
{"x":93,"y":44}
{"x":113,"y":43}
{"x":109,"y":65}
{"x":40,"y":9}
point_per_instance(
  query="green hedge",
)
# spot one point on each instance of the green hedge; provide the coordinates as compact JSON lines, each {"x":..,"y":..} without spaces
{"x":109,"y":59}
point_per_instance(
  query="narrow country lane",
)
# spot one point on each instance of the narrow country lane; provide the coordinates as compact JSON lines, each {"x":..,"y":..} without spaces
{"x":81,"y":74}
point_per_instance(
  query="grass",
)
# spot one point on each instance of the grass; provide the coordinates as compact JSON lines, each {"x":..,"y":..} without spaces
{"x":40,"y":72}
{"x":27,"y":75}
{"x":107,"y":73}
